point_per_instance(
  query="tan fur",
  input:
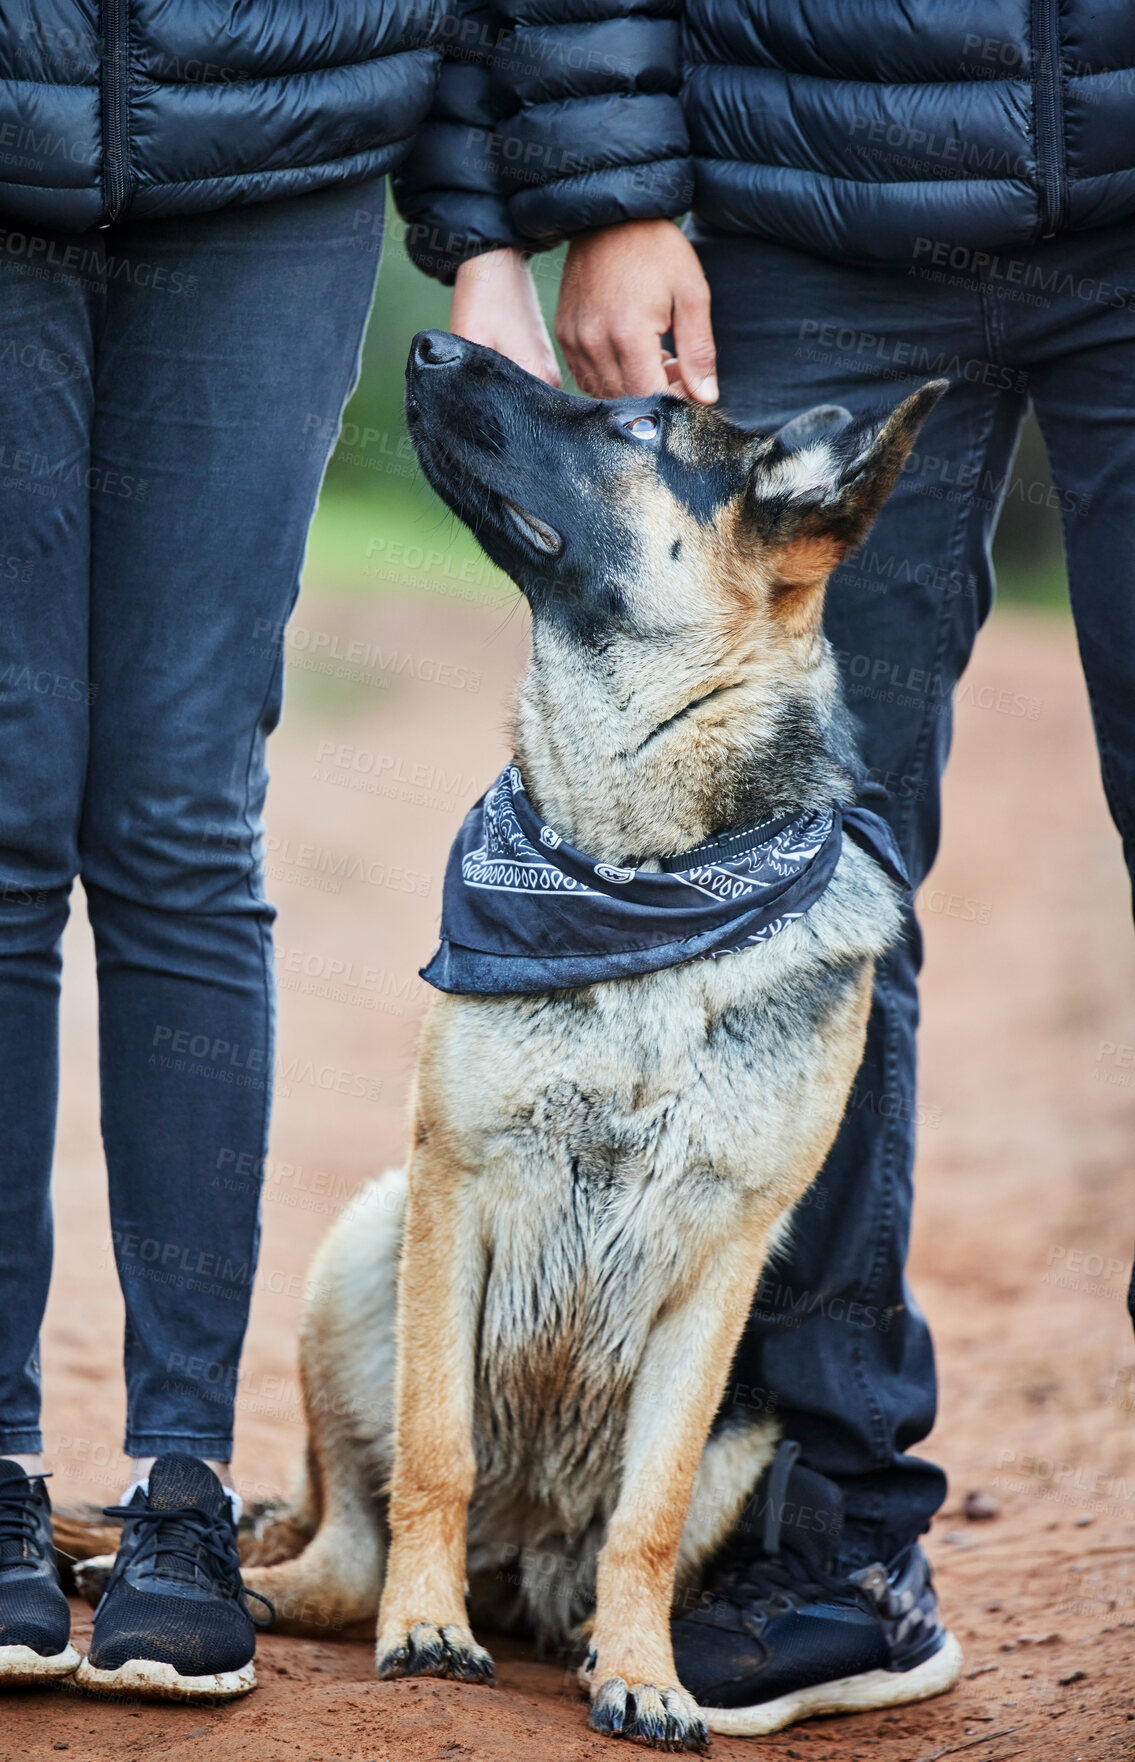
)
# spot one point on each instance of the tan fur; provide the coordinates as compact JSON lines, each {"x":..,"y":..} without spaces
{"x":438,"y":1300}
{"x":803,"y":570}
{"x":680,"y":1384}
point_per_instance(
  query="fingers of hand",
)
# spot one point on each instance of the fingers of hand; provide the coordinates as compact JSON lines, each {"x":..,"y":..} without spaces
{"x":619,"y":367}
{"x":623,"y":288}
{"x":693,"y":340}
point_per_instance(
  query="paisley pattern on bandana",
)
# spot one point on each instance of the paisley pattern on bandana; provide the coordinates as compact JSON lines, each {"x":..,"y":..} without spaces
{"x":524,"y":912}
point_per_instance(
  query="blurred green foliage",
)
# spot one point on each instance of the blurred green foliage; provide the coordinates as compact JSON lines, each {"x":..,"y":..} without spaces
{"x":379,"y":524}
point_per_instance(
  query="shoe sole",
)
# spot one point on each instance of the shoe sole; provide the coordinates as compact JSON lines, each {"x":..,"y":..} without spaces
{"x":847,"y":1694}
{"x":144,"y":1679}
{"x":20,"y":1666}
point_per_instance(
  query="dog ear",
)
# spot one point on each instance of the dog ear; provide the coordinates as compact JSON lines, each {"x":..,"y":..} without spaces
{"x":822,"y":478}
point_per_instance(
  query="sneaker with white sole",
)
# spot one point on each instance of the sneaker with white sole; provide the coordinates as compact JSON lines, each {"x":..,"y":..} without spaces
{"x":173,"y":1623}
{"x":35,"y":1621}
{"x":780,"y":1634}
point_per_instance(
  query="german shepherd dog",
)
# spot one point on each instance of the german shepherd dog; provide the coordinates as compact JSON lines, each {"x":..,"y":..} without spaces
{"x":516,"y":1349}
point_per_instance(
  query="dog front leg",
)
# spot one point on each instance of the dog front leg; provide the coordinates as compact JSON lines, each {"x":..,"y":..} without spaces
{"x":630,"y":1668}
{"x":423,"y":1627}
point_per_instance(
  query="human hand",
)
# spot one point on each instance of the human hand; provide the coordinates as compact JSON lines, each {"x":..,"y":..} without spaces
{"x":623,"y":288}
{"x":494,"y":303}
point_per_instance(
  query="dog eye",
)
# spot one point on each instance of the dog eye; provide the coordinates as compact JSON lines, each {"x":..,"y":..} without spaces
{"x":642,"y":427}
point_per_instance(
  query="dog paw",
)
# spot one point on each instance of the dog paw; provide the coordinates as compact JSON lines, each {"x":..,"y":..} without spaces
{"x":437,"y":1651}
{"x":662,"y":1719}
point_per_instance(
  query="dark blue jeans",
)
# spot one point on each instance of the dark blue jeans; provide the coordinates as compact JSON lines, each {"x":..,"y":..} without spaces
{"x":836,"y":1343}
{"x":167,"y":396}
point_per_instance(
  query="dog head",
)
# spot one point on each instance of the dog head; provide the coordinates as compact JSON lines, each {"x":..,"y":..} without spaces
{"x":633,"y":515}
{"x":674,"y":563}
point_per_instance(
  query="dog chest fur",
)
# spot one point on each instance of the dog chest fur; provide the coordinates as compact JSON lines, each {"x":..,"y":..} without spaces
{"x":610,"y":1140}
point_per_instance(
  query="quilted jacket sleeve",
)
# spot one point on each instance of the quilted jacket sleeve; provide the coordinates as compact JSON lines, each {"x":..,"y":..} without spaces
{"x":449,"y":189}
{"x":552,"y":117}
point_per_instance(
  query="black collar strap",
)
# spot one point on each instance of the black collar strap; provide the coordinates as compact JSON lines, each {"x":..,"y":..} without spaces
{"x":728,"y":844}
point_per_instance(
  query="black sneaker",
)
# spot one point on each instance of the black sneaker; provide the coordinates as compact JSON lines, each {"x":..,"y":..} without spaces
{"x":173,"y":1623}
{"x":35,"y":1622}
{"x":780,"y":1635}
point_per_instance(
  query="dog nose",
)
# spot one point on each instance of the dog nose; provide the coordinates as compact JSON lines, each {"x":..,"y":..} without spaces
{"x":436,"y":348}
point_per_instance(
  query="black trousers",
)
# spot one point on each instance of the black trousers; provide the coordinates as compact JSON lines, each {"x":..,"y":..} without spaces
{"x":836,"y":1343}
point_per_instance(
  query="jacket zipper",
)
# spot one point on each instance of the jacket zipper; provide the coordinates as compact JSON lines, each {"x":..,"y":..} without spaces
{"x":115,"y":95}
{"x":1048,"y":111}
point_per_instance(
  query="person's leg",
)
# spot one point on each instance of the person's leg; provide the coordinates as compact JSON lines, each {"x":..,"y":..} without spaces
{"x":46,"y":688}
{"x":1079,"y":341}
{"x":835,"y":1341}
{"x":230,"y":344}
{"x":1082,"y":371}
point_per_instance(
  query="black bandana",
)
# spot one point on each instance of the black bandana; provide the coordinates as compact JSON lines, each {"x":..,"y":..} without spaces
{"x":524,"y":912}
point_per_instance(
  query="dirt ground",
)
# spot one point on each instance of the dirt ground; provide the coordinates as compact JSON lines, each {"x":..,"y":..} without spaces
{"x":1023,"y":1223}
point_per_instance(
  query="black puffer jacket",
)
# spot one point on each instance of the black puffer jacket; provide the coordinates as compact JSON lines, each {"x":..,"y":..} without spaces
{"x":552,"y":116}
{"x":156,"y":107}
{"x":851,"y":128}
